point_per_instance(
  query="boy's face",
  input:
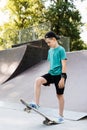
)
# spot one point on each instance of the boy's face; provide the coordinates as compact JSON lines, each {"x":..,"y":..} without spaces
{"x":51,"y":42}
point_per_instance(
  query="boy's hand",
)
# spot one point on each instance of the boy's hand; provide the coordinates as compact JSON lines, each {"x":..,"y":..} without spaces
{"x":61,"y":83}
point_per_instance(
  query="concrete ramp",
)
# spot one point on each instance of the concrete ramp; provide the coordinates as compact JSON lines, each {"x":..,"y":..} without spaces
{"x":68,"y":115}
{"x":50,"y":112}
{"x":9,"y":62}
{"x":22,"y":86}
{"x":11,"y":119}
{"x":75,"y":116}
{"x":16,"y":60}
{"x":76,"y":85}
{"x":12,"y":116}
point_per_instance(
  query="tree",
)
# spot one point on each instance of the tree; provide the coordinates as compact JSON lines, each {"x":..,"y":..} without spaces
{"x":25,"y":13}
{"x":78,"y":45}
{"x":22,"y":14}
{"x":9,"y":35}
{"x":63,"y":16}
{"x":65,"y":20}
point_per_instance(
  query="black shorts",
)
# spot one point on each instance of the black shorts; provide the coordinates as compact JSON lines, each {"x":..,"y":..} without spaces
{"x":55,"y":80}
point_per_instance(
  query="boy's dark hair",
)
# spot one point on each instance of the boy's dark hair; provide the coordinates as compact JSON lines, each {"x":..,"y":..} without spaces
{"x":51,"y":34}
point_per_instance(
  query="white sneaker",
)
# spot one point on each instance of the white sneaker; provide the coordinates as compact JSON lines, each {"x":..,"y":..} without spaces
{"x":34,"y":105}
{"x":60,"y":119}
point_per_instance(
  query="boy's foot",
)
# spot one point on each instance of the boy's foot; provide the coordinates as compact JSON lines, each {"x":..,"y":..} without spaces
{"x":34,"y":105}
{"x":60,"y":119}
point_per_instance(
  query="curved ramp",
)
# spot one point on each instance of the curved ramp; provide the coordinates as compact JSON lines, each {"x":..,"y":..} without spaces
{"x":9,"y":61}
{"x":16,"y":60}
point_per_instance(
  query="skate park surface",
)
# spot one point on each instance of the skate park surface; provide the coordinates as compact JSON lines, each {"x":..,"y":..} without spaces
{"x":12,"y":116}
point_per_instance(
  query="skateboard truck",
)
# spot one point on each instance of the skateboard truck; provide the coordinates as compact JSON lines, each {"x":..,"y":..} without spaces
{"x":27,"y":109}
{"x":49,"y":122}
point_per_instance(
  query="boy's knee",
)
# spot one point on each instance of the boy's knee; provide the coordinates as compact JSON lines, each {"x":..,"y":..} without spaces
{"x":39,"y":80}
{"x":60,"y":96}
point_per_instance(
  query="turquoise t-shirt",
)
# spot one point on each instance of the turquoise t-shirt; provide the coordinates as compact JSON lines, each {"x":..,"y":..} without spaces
{"x":55,"y":55}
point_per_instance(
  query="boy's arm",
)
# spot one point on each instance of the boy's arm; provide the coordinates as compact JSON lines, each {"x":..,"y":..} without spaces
{"x":63,"y":75}
{"x":64,"y":66}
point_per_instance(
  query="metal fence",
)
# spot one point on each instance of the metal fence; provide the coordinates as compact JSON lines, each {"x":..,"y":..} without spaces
{"x":12,"y":37}
{"x":33,"y":33}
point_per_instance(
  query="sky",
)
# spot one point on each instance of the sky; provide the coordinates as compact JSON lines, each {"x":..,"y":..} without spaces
{"x":3,"y":16}
{"x":82,"y":6}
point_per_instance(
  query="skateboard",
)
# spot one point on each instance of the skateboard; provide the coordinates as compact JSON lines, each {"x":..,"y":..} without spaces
{"x":47,"y":121}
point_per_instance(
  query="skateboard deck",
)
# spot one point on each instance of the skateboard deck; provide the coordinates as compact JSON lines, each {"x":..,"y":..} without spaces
{"x":47,"y":121}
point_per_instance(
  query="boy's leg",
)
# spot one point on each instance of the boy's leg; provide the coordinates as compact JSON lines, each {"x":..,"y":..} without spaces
{"x":61,"y":104}
{"x":37,"y":88}
{"x":60,"y":95}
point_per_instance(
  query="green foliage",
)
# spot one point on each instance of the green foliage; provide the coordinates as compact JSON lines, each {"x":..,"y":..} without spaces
{"x":25,"y":13}
{"x":9,"y":35}
{"x":65,"y":20}
{"x":78,"y":45}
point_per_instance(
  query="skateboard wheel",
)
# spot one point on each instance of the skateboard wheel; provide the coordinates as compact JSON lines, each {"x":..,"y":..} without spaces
{"x":27,"y":110}
{"x":46,"y":122}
